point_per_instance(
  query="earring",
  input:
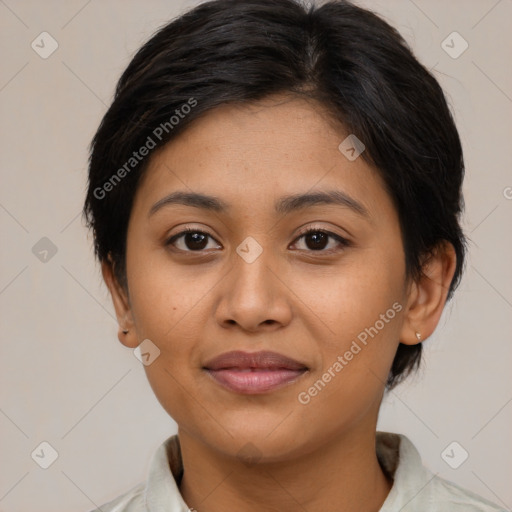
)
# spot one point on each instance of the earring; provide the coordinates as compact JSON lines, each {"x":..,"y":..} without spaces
{"x":125,"y":331}
{"x":418,"y":335}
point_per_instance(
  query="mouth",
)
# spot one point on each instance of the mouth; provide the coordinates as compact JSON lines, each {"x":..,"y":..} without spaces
{"x":254,"y":373}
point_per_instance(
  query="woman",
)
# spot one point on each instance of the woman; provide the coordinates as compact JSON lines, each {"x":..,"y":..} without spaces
{"x":275,"y":196}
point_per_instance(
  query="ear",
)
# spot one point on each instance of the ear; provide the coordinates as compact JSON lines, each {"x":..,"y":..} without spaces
{"x":427,"y":296}
{"x":121,"y":305}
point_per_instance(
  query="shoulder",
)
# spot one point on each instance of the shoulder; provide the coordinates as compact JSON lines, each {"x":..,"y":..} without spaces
{"x":415,"y":488}
{"x":130,"y":501}
{"x":447,"y":496}
{"x":160,"y":491}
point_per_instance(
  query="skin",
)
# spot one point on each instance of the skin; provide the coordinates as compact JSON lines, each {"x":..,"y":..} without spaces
{"x":306,"y":304}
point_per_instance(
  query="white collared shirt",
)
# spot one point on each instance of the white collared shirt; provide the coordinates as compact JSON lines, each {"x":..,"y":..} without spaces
{"x":415,"y":488}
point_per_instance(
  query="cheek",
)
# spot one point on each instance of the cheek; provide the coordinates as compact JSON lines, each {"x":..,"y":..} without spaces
{"x":364,"y":312}
{"x":363,"y":304}
{"x":354,"y":295}
{"x":168,"y":310}
{"x":163,"y":295}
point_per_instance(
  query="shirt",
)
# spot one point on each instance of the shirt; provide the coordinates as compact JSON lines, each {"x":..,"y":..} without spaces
{"x":415,"y":488}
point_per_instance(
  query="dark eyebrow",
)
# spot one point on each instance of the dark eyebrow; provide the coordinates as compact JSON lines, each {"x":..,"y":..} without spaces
{"x":205,"y":202}
{"x":336,"y":197}
{"x":283,"y":206}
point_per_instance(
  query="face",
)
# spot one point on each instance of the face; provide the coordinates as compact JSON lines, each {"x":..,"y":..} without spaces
{"x":319,"y":281}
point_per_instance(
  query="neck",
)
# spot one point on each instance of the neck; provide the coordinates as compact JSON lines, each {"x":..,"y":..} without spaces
{"x":342,"y":474}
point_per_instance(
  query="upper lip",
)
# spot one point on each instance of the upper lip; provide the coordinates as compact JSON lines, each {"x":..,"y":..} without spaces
{"x":245,"y":360}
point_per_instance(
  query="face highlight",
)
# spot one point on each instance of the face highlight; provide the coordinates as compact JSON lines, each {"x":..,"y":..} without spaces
{"x":251,"y":231}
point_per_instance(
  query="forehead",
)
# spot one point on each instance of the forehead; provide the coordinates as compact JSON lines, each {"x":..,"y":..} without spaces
{"x":252,"y":154}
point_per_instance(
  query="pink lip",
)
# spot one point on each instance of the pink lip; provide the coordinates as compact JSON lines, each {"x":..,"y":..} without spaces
{"x":254,"y":373}
{"x":253,"y":382}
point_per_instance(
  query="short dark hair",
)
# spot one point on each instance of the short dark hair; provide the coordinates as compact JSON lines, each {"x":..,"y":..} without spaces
{"x":344,"y":57}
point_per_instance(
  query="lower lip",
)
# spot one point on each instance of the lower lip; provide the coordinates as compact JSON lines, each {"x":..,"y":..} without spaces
{"x":255,"y":382}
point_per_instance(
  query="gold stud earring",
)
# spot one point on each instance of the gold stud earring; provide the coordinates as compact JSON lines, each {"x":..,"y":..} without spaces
{"x":418,"y":335}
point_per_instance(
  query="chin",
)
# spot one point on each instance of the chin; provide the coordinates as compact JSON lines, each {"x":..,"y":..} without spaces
{"x":258,"y":443}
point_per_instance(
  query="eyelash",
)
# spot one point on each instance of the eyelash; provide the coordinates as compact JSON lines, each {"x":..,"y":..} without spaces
{"x":343,"y":242}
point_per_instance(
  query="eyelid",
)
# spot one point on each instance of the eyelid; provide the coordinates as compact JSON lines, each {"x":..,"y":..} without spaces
{"x":314,"y":228}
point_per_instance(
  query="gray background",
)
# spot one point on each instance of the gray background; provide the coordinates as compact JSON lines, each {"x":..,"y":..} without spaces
{"x":65,"y":378}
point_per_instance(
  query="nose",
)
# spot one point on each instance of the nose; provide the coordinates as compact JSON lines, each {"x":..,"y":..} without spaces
{"x":254,"y":296}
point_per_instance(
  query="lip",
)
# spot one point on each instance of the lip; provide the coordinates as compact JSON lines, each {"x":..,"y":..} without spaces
{"x":264,"y":360}
{"x":254,"y":372}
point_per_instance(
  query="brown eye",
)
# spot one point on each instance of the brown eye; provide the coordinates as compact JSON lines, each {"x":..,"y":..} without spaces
{"x":319,"y":239}
{"x":316,"y":240}
{"x":191,"y":240}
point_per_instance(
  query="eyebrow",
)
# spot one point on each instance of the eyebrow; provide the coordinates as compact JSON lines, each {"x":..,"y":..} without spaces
{"x":283,"y":206}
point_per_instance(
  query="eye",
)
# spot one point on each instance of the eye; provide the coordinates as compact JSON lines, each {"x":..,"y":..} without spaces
{"x":191,"y":240}
{"x":319,"y":240}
